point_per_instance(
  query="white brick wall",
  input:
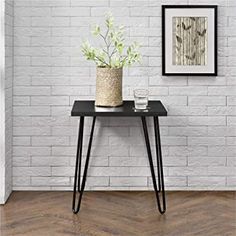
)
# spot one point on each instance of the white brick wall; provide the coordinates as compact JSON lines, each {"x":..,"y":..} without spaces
{"x":9,"y":16}
{"x":6,"y":77}
{"x":198,"y":136}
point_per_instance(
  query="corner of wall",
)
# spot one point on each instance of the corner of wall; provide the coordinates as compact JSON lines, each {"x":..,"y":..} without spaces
{"x":6,"y":78}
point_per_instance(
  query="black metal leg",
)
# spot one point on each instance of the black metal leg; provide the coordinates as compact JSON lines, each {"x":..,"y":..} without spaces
{"x":78,"y":163}
{"x":159,"y":163}
{"x":78,"y":160}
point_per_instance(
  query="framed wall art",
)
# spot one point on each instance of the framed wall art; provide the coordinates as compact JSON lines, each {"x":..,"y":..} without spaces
{"x":189,"y":40}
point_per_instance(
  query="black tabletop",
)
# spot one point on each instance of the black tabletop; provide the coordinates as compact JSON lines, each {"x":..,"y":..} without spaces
{"x":87,"y":108}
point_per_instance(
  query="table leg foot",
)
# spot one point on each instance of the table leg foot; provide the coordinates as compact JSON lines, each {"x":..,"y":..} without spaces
{"x":77,"y":186}
{"x":159,"y":163}
{"x":161,"y":184}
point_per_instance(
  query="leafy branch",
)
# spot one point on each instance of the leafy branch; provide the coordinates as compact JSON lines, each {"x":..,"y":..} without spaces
{"x":114,"y":53}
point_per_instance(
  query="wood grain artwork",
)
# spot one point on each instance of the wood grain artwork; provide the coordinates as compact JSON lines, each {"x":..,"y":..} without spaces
{"x":190,"y":41}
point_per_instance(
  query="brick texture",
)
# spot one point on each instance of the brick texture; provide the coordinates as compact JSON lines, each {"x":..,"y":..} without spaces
{"x":6,"y":78}
{"x":198,"y":136}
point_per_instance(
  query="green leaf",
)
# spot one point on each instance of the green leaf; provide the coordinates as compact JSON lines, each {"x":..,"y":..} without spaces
{"x":129,"y":50}
{"x":120,"y":48}
{"x":109,"y":20}
{"x":96,"y":30}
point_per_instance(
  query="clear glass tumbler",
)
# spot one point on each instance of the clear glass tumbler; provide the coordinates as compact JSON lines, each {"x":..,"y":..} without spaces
{"x":140,"y":99}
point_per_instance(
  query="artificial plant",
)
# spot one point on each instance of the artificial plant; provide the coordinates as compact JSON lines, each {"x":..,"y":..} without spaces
{"x":114,"y":53}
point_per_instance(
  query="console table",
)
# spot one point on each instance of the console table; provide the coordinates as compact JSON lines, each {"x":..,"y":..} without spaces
{"x":87,"y":108}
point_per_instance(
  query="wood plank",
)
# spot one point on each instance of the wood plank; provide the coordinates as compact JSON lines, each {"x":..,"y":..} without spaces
{"x":119,"y":213}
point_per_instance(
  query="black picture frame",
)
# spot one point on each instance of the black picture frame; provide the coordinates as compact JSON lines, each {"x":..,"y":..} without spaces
{"x":164,"y":71}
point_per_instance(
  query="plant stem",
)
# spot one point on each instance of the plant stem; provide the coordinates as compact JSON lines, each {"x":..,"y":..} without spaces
{"x":102,"y":61}
{"x":108,"y":44}
{"x":123,"y":61}
{"x":113,"y":52}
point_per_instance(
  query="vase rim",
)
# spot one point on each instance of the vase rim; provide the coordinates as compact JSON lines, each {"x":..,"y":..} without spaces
{"x":109,"y":68}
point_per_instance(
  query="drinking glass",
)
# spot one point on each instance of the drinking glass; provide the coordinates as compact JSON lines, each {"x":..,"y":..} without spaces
{"x":140,"y":99}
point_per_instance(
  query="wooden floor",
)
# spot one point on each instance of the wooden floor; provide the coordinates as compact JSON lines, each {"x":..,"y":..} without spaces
{"x":119,"y":213}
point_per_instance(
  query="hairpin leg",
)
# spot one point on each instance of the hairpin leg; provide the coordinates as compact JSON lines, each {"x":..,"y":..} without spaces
{"x":77,"y":176}
{"x":161,"y":184}
{"x":159,"y":162}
